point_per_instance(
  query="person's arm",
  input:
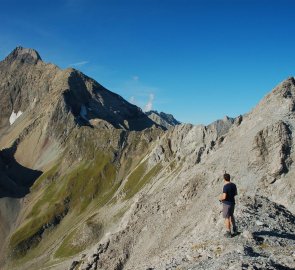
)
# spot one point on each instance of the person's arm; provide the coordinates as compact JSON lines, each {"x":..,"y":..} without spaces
{"x":223,"y":195}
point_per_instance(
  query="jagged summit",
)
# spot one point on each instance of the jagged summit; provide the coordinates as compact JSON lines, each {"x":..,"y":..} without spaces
{"x":163,"y":119}
{"x":286,"y":87}
{"x":26,"y":55}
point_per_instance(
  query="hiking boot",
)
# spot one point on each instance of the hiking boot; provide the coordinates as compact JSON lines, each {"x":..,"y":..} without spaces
{"x":227,"y":235}
{"x":235,"y":230}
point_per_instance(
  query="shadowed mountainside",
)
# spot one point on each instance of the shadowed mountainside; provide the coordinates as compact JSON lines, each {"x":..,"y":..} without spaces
{"x":15,"y":179}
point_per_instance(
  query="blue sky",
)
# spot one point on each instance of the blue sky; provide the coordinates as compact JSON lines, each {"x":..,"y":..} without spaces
{"x":199,"y":60}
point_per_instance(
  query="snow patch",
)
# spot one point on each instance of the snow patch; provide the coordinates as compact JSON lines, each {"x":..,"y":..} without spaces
{"x":83,"y":112}
{"x":14,"y":116}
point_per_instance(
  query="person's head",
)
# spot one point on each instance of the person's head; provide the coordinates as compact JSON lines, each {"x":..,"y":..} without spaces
{"x":226,"y":177}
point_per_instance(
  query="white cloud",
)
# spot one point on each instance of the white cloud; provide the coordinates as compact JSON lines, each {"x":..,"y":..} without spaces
{"x":149,"y":104}
{"x":79,"y":64}
{"x":139,"y":93}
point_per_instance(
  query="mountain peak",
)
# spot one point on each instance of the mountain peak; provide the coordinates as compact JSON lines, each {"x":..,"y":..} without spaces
{"x":26,"y":55}
{"x":164,"y":119}
{"x":285,"y":87}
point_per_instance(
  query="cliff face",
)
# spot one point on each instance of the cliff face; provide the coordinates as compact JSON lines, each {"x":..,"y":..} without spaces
{"x":110,"y":189}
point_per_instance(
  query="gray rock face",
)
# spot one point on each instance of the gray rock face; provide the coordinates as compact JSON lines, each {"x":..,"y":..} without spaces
{"x":272,"y":146}
{"x":163,"y":119}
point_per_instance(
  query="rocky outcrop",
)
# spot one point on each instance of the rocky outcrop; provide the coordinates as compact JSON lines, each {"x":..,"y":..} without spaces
{"x":272,"y":147}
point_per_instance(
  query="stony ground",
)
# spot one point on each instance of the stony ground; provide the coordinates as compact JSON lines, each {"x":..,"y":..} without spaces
{"x":266,"y":240}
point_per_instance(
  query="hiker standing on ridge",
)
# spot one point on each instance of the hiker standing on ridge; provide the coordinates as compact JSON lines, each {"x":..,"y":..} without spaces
{"x":228,"y":200}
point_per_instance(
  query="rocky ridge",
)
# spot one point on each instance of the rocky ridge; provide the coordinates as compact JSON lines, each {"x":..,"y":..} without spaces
{"x":262,"y":243}
{"x":163,"y":227}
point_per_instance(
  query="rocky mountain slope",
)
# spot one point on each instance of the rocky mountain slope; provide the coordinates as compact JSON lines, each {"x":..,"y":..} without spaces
{"x":117,"y":191}
{"x":163,"y":119}
{"x":58,"y":122}
{"x":175,"y":222}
